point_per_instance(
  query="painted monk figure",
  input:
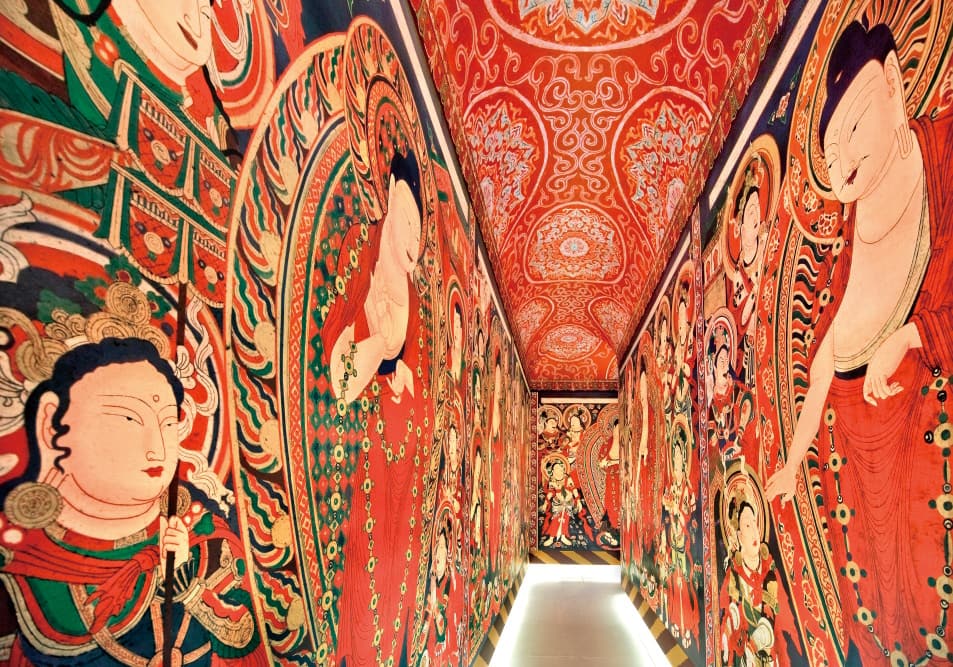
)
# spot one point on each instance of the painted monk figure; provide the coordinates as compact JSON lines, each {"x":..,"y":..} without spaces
{"x":878,"y":379}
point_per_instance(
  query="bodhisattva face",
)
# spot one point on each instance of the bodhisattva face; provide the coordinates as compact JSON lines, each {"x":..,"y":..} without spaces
{"x":123,"y":436}
{"x":750,"y":225}
{"x":440,"y":556}
{"x":453,"y":449}
{"x":749,"y":536}
{"x":402,"y":228}
{"x":175,"y":36}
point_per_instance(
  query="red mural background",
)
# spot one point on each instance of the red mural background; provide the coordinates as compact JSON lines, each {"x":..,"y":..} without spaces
{"x":661,"y":545}
{"x":576,"y":461}
{"x":232,"y":255}
{"x":837,"y":578}
{"x":824,"y":526}
{"x":586,"y":133}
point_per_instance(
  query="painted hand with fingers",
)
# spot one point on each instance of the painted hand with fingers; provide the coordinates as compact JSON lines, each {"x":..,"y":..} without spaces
{"x":174,"y":537}
{"x":886,"y":360}
{"x":782,"y":483}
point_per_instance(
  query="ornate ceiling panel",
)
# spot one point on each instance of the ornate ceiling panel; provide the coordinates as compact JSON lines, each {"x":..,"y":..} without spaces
{"x":585,"y":130}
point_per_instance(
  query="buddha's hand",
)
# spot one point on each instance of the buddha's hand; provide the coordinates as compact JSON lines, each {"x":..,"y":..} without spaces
{"x":401,"y":381}
{"x":174,"y":537}
{"x":342,"y":346}
{"x":782,"y":483}
{"x":886,"y":360}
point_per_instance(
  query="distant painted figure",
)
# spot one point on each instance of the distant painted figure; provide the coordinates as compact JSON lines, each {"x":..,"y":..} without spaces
{"x":562,"y":504}
{"x":745,"y":283}
{"x":878,"y":382}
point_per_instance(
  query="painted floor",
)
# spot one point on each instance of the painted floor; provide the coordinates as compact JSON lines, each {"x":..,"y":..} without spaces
{"x":575,"y":615}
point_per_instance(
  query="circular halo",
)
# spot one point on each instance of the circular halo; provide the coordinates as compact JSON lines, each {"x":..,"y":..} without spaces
{"x":550,"y":411}
{"x":760,"y":166}
{"x":579,"y":410}
{"x":742,"y":481}
{"x":550,"y":460}
{"x":382,"y":119}
{"x":923,"y":36}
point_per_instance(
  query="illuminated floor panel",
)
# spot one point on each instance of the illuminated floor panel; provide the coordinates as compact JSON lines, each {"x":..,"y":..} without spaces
{"x":575,"y":615}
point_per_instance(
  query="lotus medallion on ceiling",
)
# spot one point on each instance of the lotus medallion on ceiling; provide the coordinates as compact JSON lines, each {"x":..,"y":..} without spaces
{"x":585,"y":129}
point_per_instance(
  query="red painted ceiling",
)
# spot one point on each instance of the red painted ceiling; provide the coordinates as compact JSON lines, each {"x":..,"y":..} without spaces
{"x":585,"y":129}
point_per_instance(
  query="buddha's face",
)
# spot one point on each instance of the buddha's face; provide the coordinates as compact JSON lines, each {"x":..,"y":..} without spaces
{"x":401,"y":227}
{"x":721,"y":369}
{"x":440,"y":556}
{"x":860,"y":140}
{"x":750,"y":224}
{"x":453,"y":448}
{"x":678,"y":465}
{"x":575,"y":424}
{"x":457,"y":339}
{"x":683,"y":323}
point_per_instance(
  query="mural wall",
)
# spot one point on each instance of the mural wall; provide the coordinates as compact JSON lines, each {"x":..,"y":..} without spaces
{"x":825,"y":355}
{"x":498,"y":471}
{"x":577,"y":467}
{"x":826,"y":283}
{"x":662,"y":535}
{"x":256,"y":409}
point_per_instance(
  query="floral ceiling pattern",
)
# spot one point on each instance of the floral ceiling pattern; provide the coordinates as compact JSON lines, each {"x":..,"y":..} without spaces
{"x":585,"y":131}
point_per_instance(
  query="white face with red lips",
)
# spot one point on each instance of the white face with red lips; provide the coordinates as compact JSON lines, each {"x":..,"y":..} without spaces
{"x":402,"y":227}
{"x":175,"y":36}
{"x":123,"y":436}
{"x":750,"y":224}
{"x":749,"y":536}
{"x":860,"y":141}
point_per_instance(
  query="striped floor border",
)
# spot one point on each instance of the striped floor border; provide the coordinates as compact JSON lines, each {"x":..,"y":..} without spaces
{"x":669,"y":645}
{"x":493,"y":636}
{"x":565,"y":557}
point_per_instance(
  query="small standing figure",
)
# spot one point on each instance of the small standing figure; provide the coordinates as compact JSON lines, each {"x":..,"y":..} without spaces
{"x":562,"y":502}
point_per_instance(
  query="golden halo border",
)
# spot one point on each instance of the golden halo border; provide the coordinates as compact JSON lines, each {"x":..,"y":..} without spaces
{"x":765,"y":149}
{"x":373,"y":77}
{"x":581,"y":411}
{"x":738,"y":476}
{"x":551,"y":458}
{"x":546,"y":411}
